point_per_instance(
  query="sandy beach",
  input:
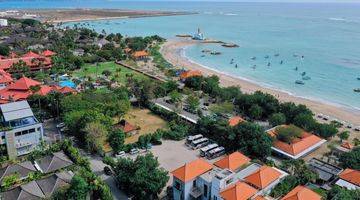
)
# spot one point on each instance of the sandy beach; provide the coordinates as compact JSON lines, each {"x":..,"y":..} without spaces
{"x":78,"y":15}
{"x":172,"y":49}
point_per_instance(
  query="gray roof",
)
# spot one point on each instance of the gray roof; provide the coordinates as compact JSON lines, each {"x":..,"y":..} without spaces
{"x":39,"y":189}
{"x":28,"y":191}
{"x":53,"y":162}
{"x":23,"y":169}
{"x":50,"y":184}
{"x":325,"y":170}
{"x":16,"y":110}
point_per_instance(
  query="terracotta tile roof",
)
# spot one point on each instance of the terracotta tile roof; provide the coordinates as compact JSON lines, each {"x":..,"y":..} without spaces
{"x":5,"y":77}
{"x":138,"y":54}
{"x":238,"y":191}
{"x":232,"y":161}
{"x":298,"y":145}
{"x":301,"y":193}
{"x":190,"y":73}
{"x":23,"y":83}
{"x":263,"y":177}
{"x":30,"y":54}
{"x":351,"y":175}
{"x":235,"y":120}
{"x":13,"y":55}
{"x":67,"y":90}
{"x":125,"y":126}
{"x":48,"y":53}
{"x":259,"y":198}
{"x":347,"y":145}
{"x":191,"y":170}
{"x":44,"y":90}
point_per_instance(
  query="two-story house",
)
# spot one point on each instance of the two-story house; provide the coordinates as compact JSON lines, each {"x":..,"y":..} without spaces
{"x":232,"y":174}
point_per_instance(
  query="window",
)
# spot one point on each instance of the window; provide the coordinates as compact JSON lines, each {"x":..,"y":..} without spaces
{"x":205,"y":190}
{"x":38,"y":129}
{"x":194,"y":183}
{"x":3,"y":137}
{"x":177,"y":185}
{"x":32,"y":130}
{"x":17,"y":133}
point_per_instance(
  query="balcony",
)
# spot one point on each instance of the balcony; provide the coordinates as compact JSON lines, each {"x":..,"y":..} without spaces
{"x":196,"y":192}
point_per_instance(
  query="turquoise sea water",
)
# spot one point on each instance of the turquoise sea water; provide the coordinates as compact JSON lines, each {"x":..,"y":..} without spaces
{"x":327,"y":35}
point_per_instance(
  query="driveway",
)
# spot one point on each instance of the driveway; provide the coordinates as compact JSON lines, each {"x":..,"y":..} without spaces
{"x":97,"y":166}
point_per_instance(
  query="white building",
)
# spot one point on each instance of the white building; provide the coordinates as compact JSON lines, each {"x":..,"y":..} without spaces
{"x":21,"y":131}
{"x":201,"y":180}
{"x":3,"y":22}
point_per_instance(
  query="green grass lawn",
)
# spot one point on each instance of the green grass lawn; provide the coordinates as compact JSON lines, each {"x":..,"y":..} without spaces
{"x":93,"y":70}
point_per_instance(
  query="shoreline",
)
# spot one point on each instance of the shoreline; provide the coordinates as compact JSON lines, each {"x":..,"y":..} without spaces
{"x":173,"y":49}
{"x":79,"y":15}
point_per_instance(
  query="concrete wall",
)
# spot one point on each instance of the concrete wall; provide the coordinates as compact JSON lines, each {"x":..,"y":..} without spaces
{"x":30,"y":140}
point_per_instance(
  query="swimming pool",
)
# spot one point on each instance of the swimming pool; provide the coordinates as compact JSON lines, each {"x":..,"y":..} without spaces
{"x":67,"y":83}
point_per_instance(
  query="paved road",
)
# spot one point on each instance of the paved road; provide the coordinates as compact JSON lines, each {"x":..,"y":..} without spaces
{"x":97,"y":166}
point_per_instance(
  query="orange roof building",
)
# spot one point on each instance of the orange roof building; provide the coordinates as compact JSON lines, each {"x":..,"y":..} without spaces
{"x":299,"y":147}
{"x":140,"y":54}
{"x":263,"y":177}
{"x":189,"y":74}
{"x":347,"y":145}
{"x":235,"y":120}
{"x":21,"y":90}
{"x":48,"y":53}
{"x":31,"y":54}
{"x":238,"y":191}
{"x":191,"y":170}
{"x":301,"y":193}
{"x":349,"y":178}
{"x":233,"y":161}
{"x":32,"y":60}
{"x":5,"y":79}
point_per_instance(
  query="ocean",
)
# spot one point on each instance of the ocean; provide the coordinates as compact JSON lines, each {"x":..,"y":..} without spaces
{"x":320,"y":40}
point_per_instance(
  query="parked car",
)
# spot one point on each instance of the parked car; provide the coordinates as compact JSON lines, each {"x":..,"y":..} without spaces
{"x":61,"y":125}
{"x":120,"y":154}
{"x":134,"y":151}
{"x":107,"y":170}
{"x":357,"y":128}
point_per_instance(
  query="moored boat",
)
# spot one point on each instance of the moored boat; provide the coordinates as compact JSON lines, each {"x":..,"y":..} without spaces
{"x":299,"y":82}
{"x":357,"y":90}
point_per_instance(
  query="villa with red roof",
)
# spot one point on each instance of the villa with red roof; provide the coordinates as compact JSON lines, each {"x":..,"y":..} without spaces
{"x":350,"y":179}
{"x":299,"y":147}
{"x":5,"y":79}
{"x":33,"y":60}
{"x":233,"y":177}
{"x":190,"y":73}
{"x":21,"y":90}
{"x":301,"y":193}
{"x":236,"y":120}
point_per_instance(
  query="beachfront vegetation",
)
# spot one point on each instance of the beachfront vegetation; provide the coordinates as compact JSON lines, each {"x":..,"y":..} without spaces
{"x":262,"y":106}
{"x":141,"y":178}
{"x":288,"y":133}
{"x":246,"y":137}
{"x":351,"y":159}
